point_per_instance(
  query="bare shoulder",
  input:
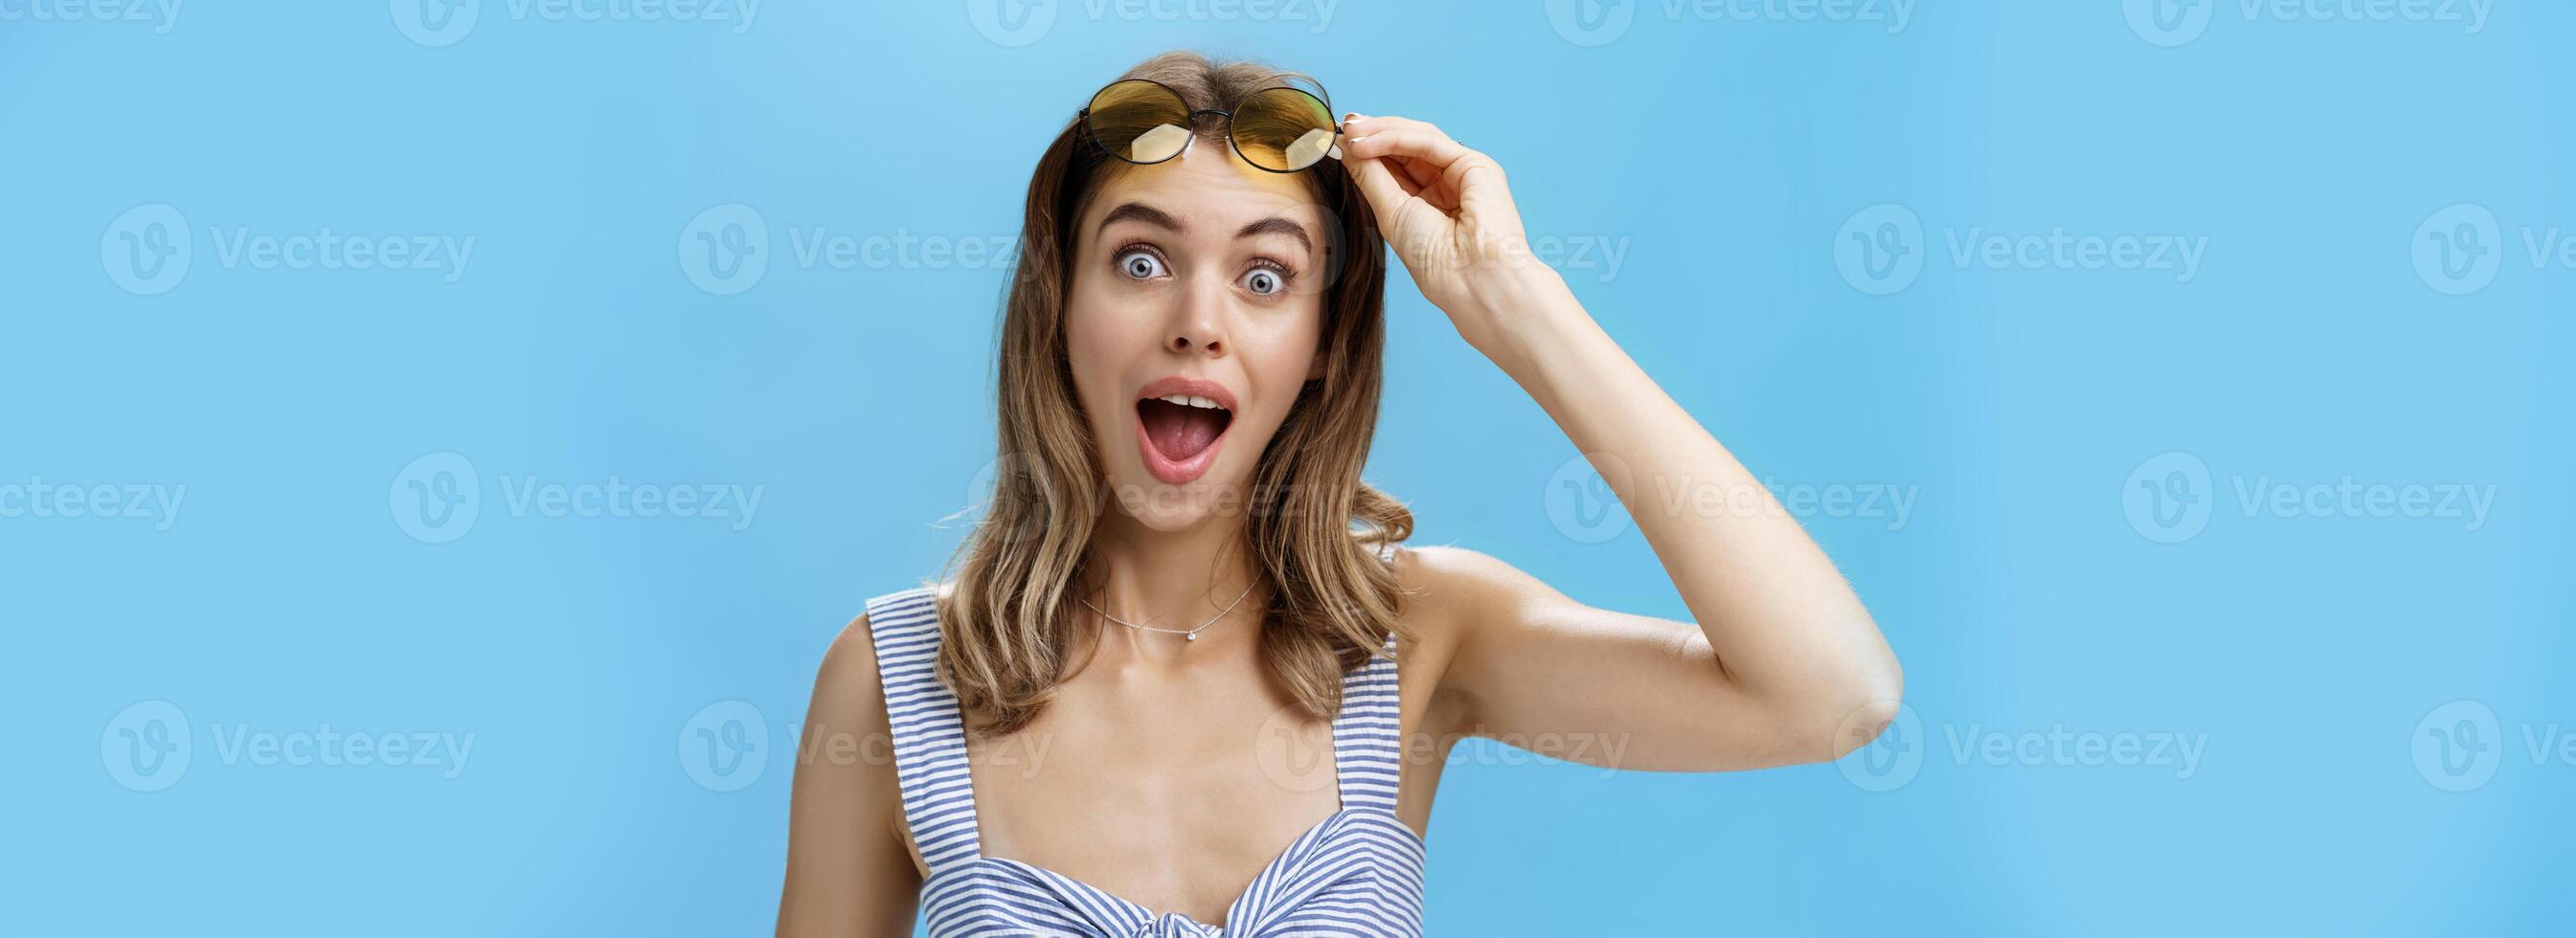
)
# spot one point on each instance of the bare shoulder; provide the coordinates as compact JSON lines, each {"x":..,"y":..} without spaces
{"x":849,"y":689}
{"x":850,"y":662}
{"x":847,"y":737}
{"x":849,"y":694}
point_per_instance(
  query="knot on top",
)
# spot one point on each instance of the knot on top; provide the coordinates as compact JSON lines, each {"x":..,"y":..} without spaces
{"x":1175,"y":925}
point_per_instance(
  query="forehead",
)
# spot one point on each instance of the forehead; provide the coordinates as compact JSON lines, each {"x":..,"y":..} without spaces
{"x":1209,"y":183}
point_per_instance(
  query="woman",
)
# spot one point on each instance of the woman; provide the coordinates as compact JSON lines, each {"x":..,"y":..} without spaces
{"x":1183,"y":676}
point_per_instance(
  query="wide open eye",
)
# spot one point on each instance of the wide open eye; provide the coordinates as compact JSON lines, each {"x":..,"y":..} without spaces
{"x":1141,"y":264}
{"x":1264,"y":281}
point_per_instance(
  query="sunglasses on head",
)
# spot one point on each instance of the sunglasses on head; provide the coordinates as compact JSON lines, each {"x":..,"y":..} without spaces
{"x":1280,"y":129}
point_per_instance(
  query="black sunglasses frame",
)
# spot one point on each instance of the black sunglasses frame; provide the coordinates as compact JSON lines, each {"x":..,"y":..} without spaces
{"x":1321,"y":97}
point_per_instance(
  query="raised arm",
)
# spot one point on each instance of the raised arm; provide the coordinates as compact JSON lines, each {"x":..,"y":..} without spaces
{"x":1782,"y":664}
{"x":848,"y":871}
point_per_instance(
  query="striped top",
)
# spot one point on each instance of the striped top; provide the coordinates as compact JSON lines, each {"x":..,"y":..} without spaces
{"x":1359,"y":872}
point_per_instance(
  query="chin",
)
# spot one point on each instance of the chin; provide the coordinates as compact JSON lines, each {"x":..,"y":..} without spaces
{"x":1164,"y":507}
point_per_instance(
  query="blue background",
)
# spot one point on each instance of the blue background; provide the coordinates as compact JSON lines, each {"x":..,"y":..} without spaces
{"x":2025,"y":591}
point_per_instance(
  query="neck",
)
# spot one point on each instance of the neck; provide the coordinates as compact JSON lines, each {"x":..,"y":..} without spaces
{"x":1174,"y":580}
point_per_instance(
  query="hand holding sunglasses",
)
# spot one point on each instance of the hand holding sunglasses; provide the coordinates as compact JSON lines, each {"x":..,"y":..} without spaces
{"x":1449,"y":214}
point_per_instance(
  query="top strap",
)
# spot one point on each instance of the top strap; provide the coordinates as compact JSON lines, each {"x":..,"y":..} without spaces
{"x":1365,"y":734}
{"x":929,"y":732}
{"x":1366,"y":744}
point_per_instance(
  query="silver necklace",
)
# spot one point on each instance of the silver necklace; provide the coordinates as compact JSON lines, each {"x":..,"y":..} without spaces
{"x":1193,"y":634}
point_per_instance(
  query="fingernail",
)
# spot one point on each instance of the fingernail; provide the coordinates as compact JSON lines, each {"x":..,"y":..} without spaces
{"x":1353,"y":118}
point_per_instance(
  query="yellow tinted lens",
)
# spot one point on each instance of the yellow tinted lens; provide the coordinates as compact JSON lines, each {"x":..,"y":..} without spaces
{"x":1283,"y":129}
{"x":1140,"y":121}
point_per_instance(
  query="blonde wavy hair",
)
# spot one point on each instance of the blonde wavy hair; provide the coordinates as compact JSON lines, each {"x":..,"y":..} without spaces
{"x":1316,"y":531}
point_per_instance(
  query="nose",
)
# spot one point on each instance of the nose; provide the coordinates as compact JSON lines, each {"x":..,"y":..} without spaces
{"x":1198,"y":326}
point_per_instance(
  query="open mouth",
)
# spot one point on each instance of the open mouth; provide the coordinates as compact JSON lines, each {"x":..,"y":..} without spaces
{"x":1179,"y":430}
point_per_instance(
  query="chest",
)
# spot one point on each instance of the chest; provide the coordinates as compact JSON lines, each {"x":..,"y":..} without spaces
{"x":1174,"y":798}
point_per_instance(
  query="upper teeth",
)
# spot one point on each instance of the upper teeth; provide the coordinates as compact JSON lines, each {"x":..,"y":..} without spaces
{"x":1191,"y":400}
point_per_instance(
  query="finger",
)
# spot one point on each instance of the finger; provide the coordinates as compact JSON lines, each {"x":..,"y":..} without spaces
{"x":1423,"y":145}
{"x":1455,"y":175}
{"x":1390,"y":136}
{"x":1436,"y":166}
{"x":1446,"y":187}
{"x":1424,"y":181}
{"x":1378,"y":184}
{"x":1363,"y":125}
{"x":1408,"y":143}
{"x":1404,"y":176}
{"x":1423,"y":174}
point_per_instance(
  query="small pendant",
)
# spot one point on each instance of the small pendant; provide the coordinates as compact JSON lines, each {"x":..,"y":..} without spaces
{"x":1193,"y":636}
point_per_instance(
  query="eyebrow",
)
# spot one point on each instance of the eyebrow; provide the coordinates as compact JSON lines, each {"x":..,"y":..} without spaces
{"x":1147,"y":214}
{"x":1277,"y":225}
{"x":1139,"y":211}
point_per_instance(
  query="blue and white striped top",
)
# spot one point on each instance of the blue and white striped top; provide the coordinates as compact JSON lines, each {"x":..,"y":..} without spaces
{"x":1359,"y":872}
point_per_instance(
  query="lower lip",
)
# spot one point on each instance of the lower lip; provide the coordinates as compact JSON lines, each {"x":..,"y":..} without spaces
{"x":1177,"y":471}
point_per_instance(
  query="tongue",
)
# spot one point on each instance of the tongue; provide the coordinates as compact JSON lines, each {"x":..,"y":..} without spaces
{"x":1179,"y":432}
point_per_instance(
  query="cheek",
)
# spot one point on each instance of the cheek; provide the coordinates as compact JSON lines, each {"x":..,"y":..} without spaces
{"x":1100,"y":346}
{"x":1278,"y":355}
